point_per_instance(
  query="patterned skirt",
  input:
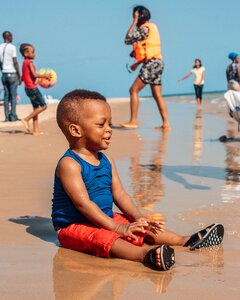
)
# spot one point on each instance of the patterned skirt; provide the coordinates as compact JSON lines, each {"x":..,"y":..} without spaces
{"x":151,"y":71}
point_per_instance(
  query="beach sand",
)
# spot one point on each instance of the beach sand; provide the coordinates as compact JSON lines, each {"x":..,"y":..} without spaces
{"x":187,"y":174}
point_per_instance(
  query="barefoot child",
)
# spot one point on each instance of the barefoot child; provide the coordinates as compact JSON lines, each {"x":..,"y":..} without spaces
{"x":87,"y":184}
{"x":29,"y":77}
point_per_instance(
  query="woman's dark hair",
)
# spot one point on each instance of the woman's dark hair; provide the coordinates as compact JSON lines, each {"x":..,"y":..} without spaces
{"x":197,"y":59}
{"x":144,"y":14}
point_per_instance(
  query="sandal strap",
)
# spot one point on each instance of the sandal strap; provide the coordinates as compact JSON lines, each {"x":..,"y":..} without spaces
{"x":167,"y":258}
{"x":195,"y":237}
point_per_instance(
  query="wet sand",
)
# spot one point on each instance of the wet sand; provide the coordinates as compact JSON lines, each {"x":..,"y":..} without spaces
{"x":186,"y":173}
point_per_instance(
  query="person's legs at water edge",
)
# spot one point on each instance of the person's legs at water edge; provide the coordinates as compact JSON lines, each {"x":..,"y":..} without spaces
{"x":198,"y":93}
{"x":34,"y":116}
{"x":36,"y":130}
{"x":13,"y":84}
{"x":6,"y":96}
{"x":39,"y":105}
{"x":157,"y":95}
{"x":137,"y":86}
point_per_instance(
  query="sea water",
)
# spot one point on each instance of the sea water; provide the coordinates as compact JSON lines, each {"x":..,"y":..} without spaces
{"x":186,"y":173}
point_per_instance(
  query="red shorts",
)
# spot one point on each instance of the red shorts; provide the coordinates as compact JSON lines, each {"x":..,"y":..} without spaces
{"x":88,"y":238}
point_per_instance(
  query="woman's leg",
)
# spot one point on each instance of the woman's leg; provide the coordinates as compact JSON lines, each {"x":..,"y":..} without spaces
{"x":137,"y":86}
{"x":157,"y":95}
{"x":198,"y":95}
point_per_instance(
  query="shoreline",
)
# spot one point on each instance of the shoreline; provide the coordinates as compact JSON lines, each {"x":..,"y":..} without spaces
{"x":209,"y":105}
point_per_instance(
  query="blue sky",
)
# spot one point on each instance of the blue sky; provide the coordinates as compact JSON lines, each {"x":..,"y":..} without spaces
{"x":84,"y":40}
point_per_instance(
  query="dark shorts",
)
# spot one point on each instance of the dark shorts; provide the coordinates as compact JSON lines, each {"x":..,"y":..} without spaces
{"x":36,"y":97}
{"x":151,"y":71}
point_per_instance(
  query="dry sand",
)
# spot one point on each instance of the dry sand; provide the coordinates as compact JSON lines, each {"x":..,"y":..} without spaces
{"x":187,"y":174}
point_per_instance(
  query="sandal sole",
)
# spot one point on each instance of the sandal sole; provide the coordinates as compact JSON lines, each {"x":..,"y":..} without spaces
{"x":213,"y":237}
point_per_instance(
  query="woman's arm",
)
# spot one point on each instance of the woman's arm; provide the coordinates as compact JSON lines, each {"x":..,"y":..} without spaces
{"x":133,"y":35}
{"x":69,"y":173}
{"x":136,"y":36}
{"x":134,"y":23}
{"x":185,"y":77}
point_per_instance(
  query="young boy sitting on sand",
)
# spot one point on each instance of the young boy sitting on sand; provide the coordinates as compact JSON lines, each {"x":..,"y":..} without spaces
{"x":87,"y":184}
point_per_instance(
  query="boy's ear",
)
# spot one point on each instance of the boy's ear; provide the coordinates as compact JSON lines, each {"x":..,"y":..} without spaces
{"x":75,"y":130}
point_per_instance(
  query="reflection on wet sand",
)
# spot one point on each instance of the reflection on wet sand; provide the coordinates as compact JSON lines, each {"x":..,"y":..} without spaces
{"x":80,"y":276}
{"x":232,"y":161}
{"x":197,"y":137}
{"x":211,"y":258}
{"x":146,"y":178}
{"x":214,"y":258}
{"x":231,"y":189}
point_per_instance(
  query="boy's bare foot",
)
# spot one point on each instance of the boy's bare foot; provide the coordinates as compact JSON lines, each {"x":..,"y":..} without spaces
{"x":26,"y":125}
{"x":129,"y":125}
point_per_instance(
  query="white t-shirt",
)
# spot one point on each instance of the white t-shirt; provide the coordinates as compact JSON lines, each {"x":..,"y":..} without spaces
{"x":6,"y":57}
{"x":198,"y":75}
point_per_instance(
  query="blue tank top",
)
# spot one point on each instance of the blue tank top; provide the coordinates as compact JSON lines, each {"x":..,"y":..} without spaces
{"x":98,"y":181}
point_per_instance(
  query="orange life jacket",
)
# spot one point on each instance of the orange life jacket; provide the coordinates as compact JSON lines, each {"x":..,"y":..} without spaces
{"x":150,"y":47}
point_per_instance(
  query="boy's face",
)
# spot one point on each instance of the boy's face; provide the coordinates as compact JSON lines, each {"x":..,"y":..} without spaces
{"x":29,"y":52}
{"x":96,"y":125}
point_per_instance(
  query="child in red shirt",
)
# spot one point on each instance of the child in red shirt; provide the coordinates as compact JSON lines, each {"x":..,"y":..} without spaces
{"x":29,"y":77}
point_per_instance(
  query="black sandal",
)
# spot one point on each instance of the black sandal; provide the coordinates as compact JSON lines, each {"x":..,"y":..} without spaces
{"x":167,"y":258}
{"x":210,"y":236}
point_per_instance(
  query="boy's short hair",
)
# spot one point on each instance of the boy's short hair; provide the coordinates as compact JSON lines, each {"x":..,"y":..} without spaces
{"x":24,"y":47}
{"x":70,"y":105}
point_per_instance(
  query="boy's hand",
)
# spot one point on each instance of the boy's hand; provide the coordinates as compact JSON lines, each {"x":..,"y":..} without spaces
{"x":155,"y":217}
{"x":48,"y":76}
{"x":129,"y":229}
{"x":156,"y":222}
